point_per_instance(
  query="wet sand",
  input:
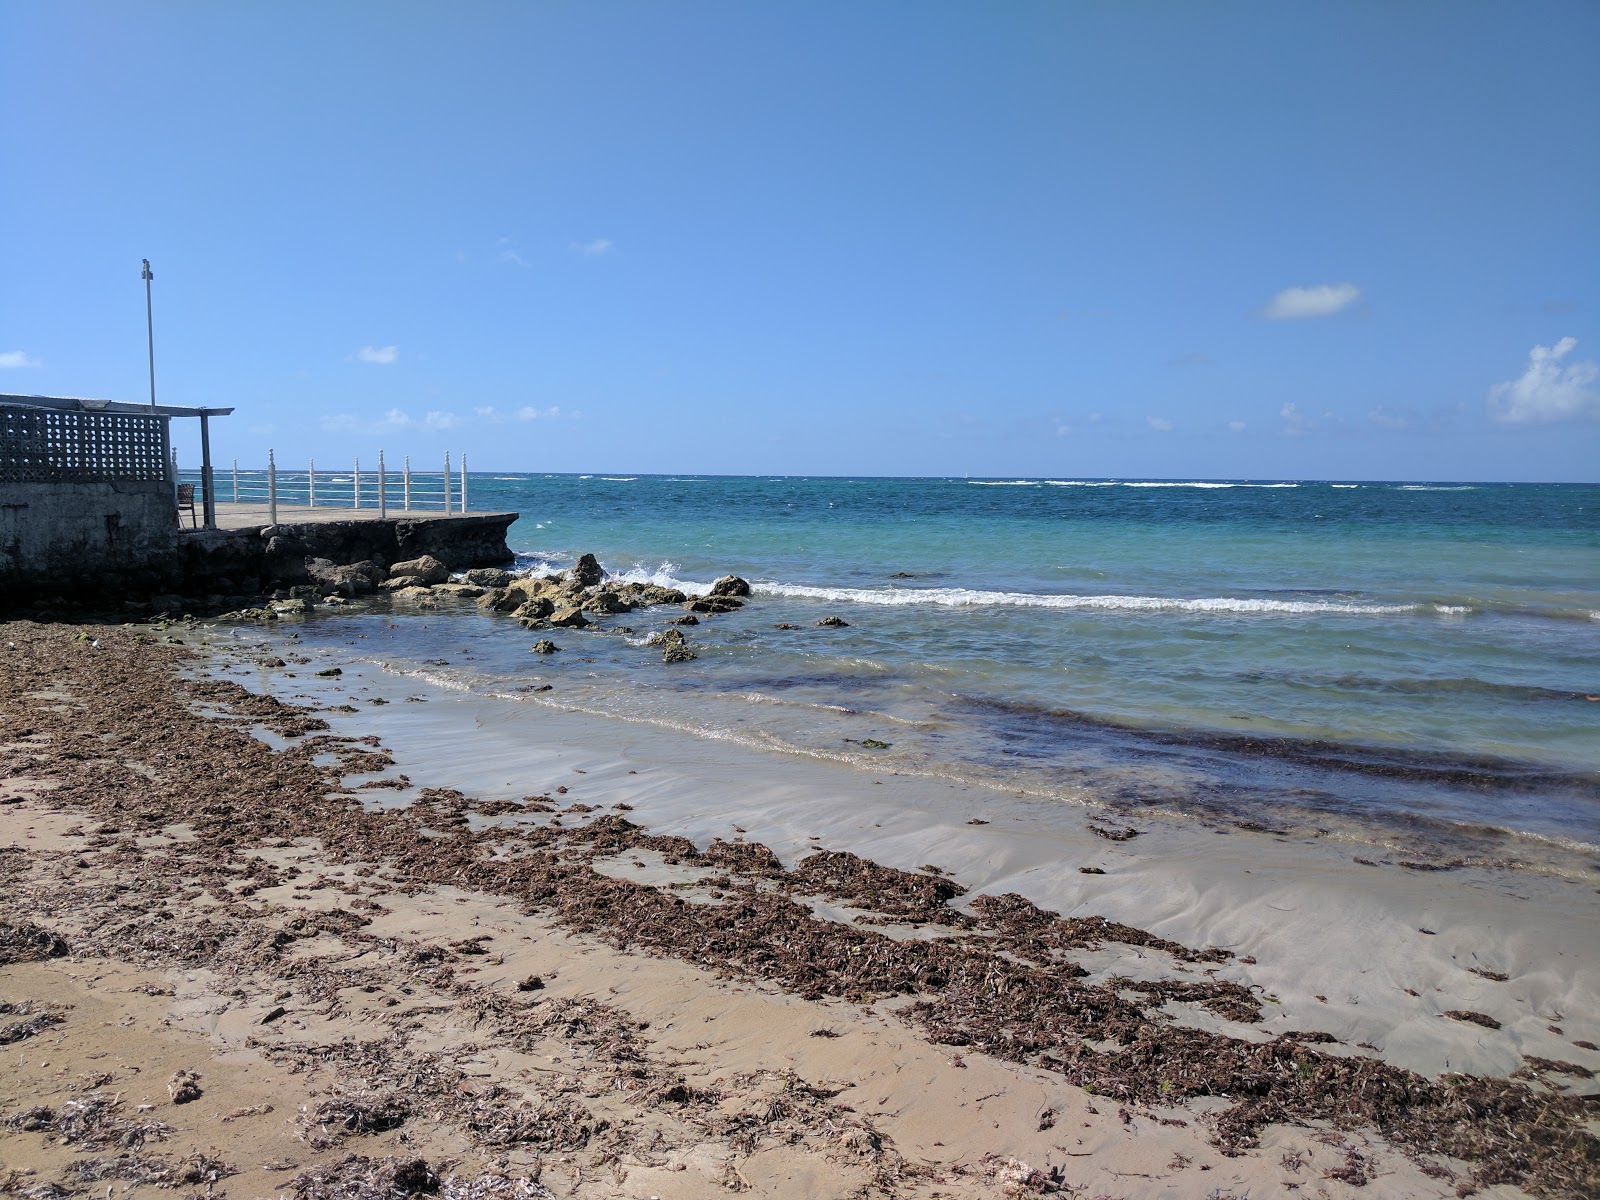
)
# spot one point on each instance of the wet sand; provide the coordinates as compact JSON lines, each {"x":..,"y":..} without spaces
{"x":479,"y":948}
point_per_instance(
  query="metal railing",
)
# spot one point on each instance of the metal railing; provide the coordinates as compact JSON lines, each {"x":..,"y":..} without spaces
{"x":379,"y":489}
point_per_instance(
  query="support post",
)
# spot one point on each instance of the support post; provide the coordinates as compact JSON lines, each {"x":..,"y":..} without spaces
{"x":447,"y":483}
{"x":383,"y":494}
{"x":463,"y":507}
{"x":311,"y":482}
{"x":357,"y":484}
{"x":205,"y":471}
{"x":272,"y":489}
{"x":236,"y":481}
{"x":408,"y":483}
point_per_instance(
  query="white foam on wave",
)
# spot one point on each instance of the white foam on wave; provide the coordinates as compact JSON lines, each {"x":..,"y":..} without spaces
{"x":1433,"y":487}
{"x":1164,"y":483}
{"x":1120,"y":484}
{"x":619,"y":478}
{"x":1344,"y":485}
{"x":1170,"y":483}
{"x":661,"y":576}
{"x":665,"y":575}
{"x":973,"y":598}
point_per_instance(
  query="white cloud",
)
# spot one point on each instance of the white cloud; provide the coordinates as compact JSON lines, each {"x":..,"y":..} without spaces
{"x":597,"y":246}
{"x":1386,"y":418}
{"x":528,"y":413}
{"x":1159,"y":424}
{"x":1547,"y":392}
{"x":1295,"y":422}
{"x":382,"y":355}
{"x":1235,"y":426}
{"x":11,"y":359}
{"x":507,"y":251}
{"x":1320,"y":300}
{"x":395,"y":420}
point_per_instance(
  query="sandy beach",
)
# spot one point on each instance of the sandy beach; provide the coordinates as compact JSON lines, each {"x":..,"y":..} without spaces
{"x":276,"y":925}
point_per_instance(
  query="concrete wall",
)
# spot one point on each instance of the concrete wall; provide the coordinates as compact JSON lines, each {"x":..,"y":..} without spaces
{"x":68,"y":533}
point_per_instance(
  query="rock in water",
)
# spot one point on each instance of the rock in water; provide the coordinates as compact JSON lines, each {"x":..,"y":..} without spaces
{"x":400,"y":583}
{"x":572,"y":618}
{"x":713,"y":604}
{"x":357,"y":579}
{"x":834,"y":622}
{"x":544,"y":646}
{"x":534,"y":610}
{"x":730,"y":585}
{"x":490,"y":577}
{"x":587,"y":573}
{"x":674,"y":646}
{"x":427,"y":568}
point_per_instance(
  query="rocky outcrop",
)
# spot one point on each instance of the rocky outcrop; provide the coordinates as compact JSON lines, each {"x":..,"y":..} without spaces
{"x":730,"y":585}
{"x":489,"y":577}
{"x":427,"y":569}
{"x":353,"y":579}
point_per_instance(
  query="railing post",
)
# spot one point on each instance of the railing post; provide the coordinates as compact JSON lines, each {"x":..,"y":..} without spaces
{"x":383,"y":495}
{"x":447,"y":483}
{"x":236,"y":481}
{"x":272,"y":489}
{"x":408,"y":483}
{"x":357,"y":478}
{"x":463,"y":507}
{"x":311,"y":483}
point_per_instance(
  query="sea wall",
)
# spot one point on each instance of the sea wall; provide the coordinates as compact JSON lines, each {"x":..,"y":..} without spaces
{"x":54,"y":530}
{"x":93,"y":560}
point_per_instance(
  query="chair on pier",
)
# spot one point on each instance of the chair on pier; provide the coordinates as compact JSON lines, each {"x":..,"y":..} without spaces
{"x":186,"y":500}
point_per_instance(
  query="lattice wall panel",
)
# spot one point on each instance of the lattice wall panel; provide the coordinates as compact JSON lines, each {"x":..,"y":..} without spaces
{"x":42,"y":444}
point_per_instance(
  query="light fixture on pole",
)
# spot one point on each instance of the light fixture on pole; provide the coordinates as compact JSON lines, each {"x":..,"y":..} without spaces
{"x":150,"y":331}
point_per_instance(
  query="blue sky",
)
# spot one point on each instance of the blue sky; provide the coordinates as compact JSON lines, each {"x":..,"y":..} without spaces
{"x":1354,"y":240}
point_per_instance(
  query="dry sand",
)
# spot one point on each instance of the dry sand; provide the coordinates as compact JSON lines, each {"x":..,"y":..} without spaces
{"x":370,"y":1025}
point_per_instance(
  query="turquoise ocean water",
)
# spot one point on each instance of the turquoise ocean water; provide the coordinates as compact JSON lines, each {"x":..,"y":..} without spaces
{"x":1409,"y":665}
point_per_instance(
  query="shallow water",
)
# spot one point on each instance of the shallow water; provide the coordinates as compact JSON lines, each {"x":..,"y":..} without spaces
{"x":1395,"y":662}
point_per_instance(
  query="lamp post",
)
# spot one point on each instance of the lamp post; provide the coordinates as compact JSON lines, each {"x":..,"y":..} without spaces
{"x":150,"y":330}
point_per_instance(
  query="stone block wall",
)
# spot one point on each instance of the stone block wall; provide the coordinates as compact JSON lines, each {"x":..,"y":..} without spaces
{"x":73,"y":533}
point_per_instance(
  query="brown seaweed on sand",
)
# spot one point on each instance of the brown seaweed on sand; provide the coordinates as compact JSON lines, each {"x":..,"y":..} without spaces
{"x":999,"y":979}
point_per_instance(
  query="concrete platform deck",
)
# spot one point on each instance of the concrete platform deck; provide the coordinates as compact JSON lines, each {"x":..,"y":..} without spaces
{"x":248,"y":516}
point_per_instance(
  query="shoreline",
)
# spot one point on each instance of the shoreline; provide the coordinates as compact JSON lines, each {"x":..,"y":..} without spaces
{"x":1182,"y":888}
{"x":1120,"y":773}
{"x":1194,"y":884}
